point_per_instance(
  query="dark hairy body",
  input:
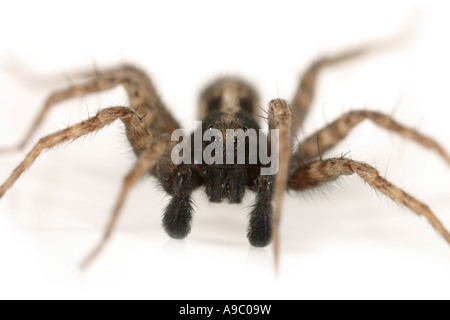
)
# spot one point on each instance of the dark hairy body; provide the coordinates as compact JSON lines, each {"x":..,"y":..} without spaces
{"x":228,"y":103}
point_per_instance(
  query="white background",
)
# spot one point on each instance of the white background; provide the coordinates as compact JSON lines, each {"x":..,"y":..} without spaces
{"x":341,"y":242}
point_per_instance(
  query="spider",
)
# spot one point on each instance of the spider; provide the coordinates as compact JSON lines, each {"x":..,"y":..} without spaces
{"x":227,"y":103}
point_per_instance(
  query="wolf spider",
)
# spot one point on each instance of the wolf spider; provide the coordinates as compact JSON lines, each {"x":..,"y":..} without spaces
{"x":228,"y":103}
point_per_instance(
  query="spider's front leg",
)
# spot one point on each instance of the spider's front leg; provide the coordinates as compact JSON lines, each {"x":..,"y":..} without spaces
{"x":320,"y":172}
{"x":280,"y":120}
{"x":264,"y":218}
{"x":102,"y":119}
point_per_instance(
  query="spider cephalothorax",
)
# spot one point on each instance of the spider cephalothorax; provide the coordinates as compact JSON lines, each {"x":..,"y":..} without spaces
{"x":228,"y":104}
{"x":229,"y":116}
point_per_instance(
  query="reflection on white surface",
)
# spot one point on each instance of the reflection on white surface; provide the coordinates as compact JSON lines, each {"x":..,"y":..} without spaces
{"x":340,"y":242}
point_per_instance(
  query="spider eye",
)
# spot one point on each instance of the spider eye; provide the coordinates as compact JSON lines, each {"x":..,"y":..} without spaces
{"x":214,"y":103}
{"x":245,"y":129}
{"x":246,"y":104}
{"x":210,"y":127}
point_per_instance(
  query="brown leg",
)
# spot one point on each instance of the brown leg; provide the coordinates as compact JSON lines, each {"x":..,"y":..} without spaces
{"x":326,"y":138}
{"x":141,"y":93}
{"x":321,"y":172}
{"x":280,"y":119}
{"x":146,"y":161}
{"x":307,"y":87}
{"x":102,"y":119}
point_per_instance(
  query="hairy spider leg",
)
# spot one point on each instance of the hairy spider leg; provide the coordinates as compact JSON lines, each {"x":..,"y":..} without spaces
{"x":326,"y":138}
{"x":141,"y":94}
{"x":320,"y":172}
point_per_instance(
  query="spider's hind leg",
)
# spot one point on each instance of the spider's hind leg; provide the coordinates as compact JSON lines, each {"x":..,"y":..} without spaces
{"x":141,"y":94}
{"x":306,"y":90}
